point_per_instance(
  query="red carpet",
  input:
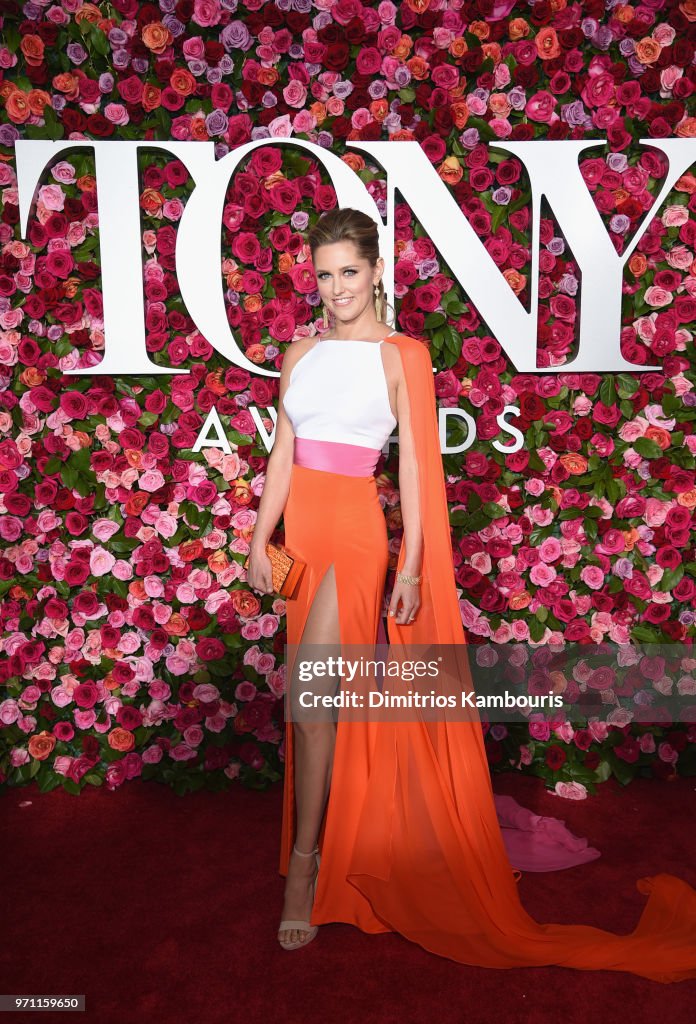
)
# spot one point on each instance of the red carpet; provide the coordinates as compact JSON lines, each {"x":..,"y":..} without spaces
{"x":163,"y":908}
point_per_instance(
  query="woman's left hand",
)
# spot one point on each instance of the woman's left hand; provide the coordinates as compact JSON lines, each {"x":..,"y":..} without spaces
{"x":408,"y":596}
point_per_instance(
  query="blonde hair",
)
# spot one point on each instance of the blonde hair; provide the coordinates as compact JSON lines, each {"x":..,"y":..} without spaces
{"x":344,"y":224}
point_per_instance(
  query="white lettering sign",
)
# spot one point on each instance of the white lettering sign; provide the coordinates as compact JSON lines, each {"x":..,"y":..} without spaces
{"x":553,"y":171}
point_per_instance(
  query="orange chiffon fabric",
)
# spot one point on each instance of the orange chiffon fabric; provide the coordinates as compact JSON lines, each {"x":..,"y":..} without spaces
{"x":411,"y":841}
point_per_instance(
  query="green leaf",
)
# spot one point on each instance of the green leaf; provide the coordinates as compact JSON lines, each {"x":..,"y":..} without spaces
{"x":494,"y":511}
{"x":670,"y":578}
{"x":645,"y":634}
{"x":647,"y":448}
{"x":433,"y":320}
{"x":607,"y":390}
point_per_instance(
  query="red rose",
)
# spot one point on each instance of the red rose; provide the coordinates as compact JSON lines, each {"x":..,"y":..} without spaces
{"x":85,"y":695}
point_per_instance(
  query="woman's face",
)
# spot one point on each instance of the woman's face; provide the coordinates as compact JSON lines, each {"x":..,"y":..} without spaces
{"x":346,"y":282}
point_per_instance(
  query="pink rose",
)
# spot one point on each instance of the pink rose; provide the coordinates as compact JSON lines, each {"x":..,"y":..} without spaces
{"x":592,"y":576}
{"x":52,"y":197}
{"x":571,"y":790}
{"x":655,"y":296}
{"x":206,"y":13}
{"x":541,"y":107}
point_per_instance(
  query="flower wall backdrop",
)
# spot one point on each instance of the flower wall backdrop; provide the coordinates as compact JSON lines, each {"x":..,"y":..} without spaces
{"x":131,"y":643}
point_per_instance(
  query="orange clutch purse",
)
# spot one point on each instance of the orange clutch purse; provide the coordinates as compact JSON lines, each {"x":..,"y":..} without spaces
{"x":286,"y":569}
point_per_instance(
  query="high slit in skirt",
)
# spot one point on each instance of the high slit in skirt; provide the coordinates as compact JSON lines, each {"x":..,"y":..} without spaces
{"x":335,"y":519}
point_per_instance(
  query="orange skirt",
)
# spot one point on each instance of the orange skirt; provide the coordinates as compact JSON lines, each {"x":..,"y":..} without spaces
{"x":335,"y":519}
{"x":410,"y":841}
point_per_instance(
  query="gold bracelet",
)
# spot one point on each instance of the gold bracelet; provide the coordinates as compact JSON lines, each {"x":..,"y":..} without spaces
{"x":402,"y":577}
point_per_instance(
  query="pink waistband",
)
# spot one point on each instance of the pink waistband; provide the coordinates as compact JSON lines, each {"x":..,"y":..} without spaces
{"x":335,"y":457}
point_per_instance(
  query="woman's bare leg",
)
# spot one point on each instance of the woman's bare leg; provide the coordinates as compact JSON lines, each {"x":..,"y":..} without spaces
{"x":314,"y":743}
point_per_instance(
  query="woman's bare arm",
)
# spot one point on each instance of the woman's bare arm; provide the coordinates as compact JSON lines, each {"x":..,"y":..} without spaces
{"x":406,"y":594}
{"x":277,"y":483}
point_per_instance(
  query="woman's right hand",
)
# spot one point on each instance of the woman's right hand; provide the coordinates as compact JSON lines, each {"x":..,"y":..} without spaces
{"x":259,"y":572}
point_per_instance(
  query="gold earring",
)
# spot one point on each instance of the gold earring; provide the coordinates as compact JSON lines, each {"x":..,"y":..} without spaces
{"x":377,"y":303}
{"x":326,"y":317}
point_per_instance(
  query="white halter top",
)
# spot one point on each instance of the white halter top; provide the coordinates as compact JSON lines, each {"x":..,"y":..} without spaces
{"x":338,"y":392}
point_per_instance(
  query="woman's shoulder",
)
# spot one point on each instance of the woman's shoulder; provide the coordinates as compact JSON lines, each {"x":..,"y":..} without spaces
{"x":296,"y":350}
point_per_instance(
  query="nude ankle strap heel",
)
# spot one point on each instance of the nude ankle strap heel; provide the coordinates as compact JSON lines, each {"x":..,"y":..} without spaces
{"x":311,"y":929}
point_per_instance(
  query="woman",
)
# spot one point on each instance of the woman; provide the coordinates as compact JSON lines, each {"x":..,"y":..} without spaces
{"x":403,"y":812}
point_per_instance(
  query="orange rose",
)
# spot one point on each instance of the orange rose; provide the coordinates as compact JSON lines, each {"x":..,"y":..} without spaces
{"x":267,"y":76}
{"x":67,"y":83}
{"x":379,"y":109}
{"x":182,"y":81}
{"x":256,"y":353}
{"x":70,"y":287}
{"x":631,"y":538}
{"x":157,"y":37}
{"x":90,"y":13}
{"x":199,"y":132}
{"x":418,"y":67}
{"x":687,"y":499}
{"x":519,"y":600}
{"x":493,"y":51}
{"x":647,"y":50}
{"x":87,"y":183}
{"x":499,"y":104}
{"x":688,"y":9}
{"x":214,"y":383}
{"x":253,"y":303}
{"x":245,"y":603}
{"x":41,"y":745}
{"x":516,"y":280}
{"x":136,"y":502}
{"x":38,"y":99}
{"x":687,"y":183}
{"x":687,"y":128}
{"x":624,"y":13}
{"x":637,"y":264}
{"x":458,"y":47}
{"x":518,"y":29}
{"x":33,"y":49}
{"x":558,"y":5}
{"x":418,"y":5}
{"x":176,"y":625}
{"x":133,"y":458}
{"x":403,"y":48}
{"x":274,"y":179}
{"x":403,"y":135}
{"x":480,"y":29}
{"x":659,"y":435}
{"x":151,"y":201}
{"x":218,"y":562}
{"x":190,"y":550}
{"x":241,"y":492}
{"x":285,"y":263}
{"x":318,"y":112}
{"x":355,"y":161}
{"x":460,"y":113}
{"x":547,"y":44}
{"x":121,"y":739}
{"x":136,"y":588}
{"x":450,"y":170}
{"x":31,"y":377}
{"x":17,"y":107}
{"x":574,"y":464}
{"x":151,"y":98}
{"x":84,"y":439}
